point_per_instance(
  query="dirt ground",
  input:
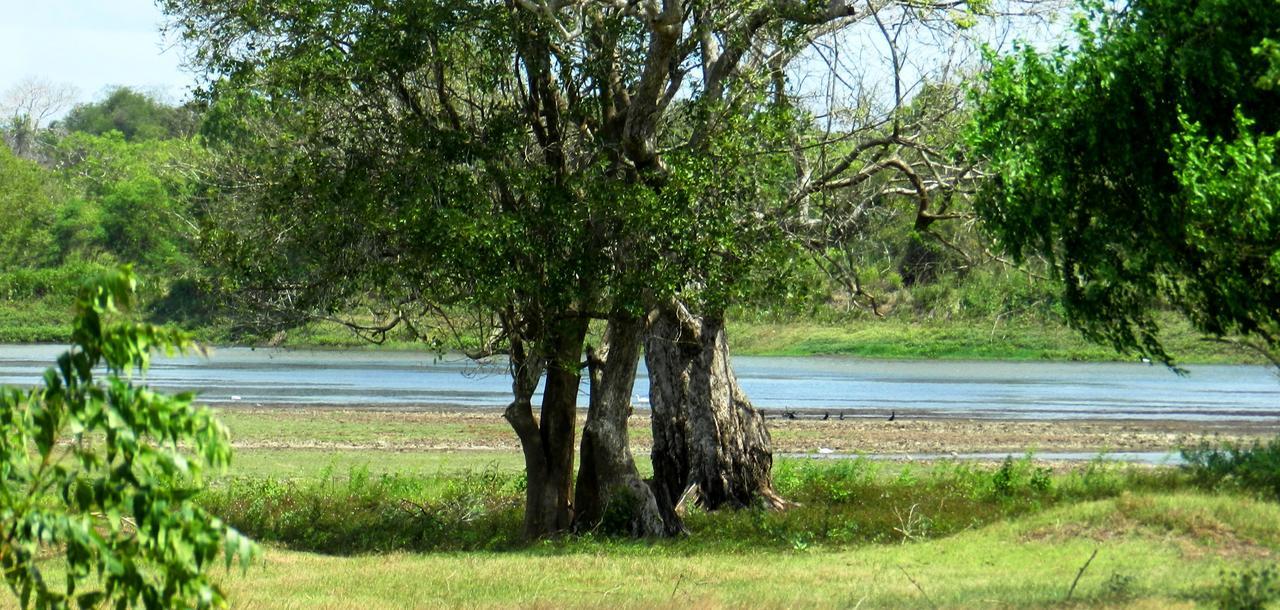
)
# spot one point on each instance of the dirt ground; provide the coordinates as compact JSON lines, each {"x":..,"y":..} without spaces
{"x":434,"y":429}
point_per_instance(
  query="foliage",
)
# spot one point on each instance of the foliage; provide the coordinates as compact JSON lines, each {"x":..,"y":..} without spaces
{"x":135,"y":199}
{"x":1255,"y":467}
{"x":1143,"y":166}
{"x":842,"y":503}
{"x":92,"y":472}
{"x":27,"y":213}
{"x":1249,"y":589}
{"x":135,"y":115}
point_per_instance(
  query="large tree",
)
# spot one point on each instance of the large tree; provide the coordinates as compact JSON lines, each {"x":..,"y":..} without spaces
{"x":136,"y":115}
{"x":1143,"y":165}
{"x":525,"y":168}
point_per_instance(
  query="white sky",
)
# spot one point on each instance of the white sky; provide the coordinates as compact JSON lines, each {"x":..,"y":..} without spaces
{"x":91,"y":44}
{"x":95,"y":45}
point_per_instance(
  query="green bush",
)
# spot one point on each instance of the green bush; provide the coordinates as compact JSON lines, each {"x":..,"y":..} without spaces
{"x":56,"y":282}
{"x":97,"y":472}
{"x":1248,"y":589}
{"x":1254,"y":468}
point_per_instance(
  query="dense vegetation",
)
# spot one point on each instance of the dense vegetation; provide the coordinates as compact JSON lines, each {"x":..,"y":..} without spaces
{"x":121,"y":180}
{"x":1143,"y":166}
{"x":574,"y":186}
{"x":82,"y":201}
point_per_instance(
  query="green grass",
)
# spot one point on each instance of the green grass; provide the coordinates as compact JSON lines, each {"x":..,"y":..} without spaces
{"x":333,"y":428}
{"x":866,"y":534}
{"x":958,"y":340}
{"x":838,"y":503}
{"x":898,"y":337}
{"x":1154,"y":550}
{"x":312,"y":463}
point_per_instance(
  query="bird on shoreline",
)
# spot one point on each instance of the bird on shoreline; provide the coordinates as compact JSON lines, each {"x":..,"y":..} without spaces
{"x":893,"y":415}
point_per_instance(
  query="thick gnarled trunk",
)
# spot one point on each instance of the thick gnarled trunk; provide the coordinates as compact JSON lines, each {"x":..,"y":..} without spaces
{"x":548,"y":442}
{"x":610,"y":495}
{"x":706,"y":434}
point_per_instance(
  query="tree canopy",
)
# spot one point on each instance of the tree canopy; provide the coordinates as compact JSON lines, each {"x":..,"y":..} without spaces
{"x":1143,"y":166}
{"x":134,"y":114}
{"x":526,"y":168}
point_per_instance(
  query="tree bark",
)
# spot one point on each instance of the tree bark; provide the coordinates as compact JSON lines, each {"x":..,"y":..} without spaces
{"x":706,"y":433}
{"x":548,"y":442}
{"x":610,"y":495}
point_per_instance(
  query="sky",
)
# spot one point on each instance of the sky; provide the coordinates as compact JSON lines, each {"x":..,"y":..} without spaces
{"x":93,"y":45}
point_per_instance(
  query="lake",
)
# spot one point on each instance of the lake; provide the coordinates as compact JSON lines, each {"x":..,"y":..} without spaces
{"x":806,"y":385}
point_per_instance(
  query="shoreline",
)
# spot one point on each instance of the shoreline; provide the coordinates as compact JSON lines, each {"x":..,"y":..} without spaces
{"x":437,"y":429}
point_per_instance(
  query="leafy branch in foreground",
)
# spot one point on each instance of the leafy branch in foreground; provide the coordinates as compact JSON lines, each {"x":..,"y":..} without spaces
{"x":95,"y":496}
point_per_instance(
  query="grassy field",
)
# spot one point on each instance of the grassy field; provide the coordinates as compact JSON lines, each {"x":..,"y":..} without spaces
{"x":867,"y":535}
{"x":365,"y":509}
{"x":360,"y":509}
{"x":1153,"y":551}
{"x":900,"y":338}
{"x":959,"y":340}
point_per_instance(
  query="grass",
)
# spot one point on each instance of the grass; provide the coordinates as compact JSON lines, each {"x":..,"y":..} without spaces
{"x":896,"y":338}
{"x":294,"y":463}
{"x":366,"y":528}
{"x":390,"y":529}
{"x":1154,"y":551}
{"x":365,"y":428}
{"x":839,"y":504}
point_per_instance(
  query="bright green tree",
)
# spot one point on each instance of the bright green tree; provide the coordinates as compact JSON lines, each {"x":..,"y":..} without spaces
{"x":28,"y":213}
{"x":134,"y":199}
{"x":98,"y":471}
{"x":1143,"y":165}
{"x":135,"y":115}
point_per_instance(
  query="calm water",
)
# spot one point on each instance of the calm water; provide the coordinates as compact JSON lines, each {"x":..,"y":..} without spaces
{"x":1025,"y":390}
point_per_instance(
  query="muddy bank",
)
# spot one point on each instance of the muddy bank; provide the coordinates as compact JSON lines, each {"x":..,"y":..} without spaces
{"x":376,"y":429}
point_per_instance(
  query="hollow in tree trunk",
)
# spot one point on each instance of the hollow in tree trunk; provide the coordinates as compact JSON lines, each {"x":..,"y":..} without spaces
{"x":610,"y":494}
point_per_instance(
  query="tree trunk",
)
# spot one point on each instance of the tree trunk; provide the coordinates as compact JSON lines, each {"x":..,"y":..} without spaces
{"x":706,"y":434}
{"x":548,"y":442}
{"x":610,"y":494}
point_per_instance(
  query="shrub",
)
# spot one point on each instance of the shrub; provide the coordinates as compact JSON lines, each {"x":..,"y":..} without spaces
{"x":92,"y":481}
{"x":1254,"y":467}
{"x":1248,"y":589}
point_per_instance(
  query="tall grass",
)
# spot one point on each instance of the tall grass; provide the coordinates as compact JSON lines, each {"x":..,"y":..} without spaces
{"x":838,"y":503}
{"x":359,"y":513}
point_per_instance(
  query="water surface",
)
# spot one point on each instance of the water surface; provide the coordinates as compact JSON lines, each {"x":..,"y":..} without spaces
{"x":853,"y":387}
